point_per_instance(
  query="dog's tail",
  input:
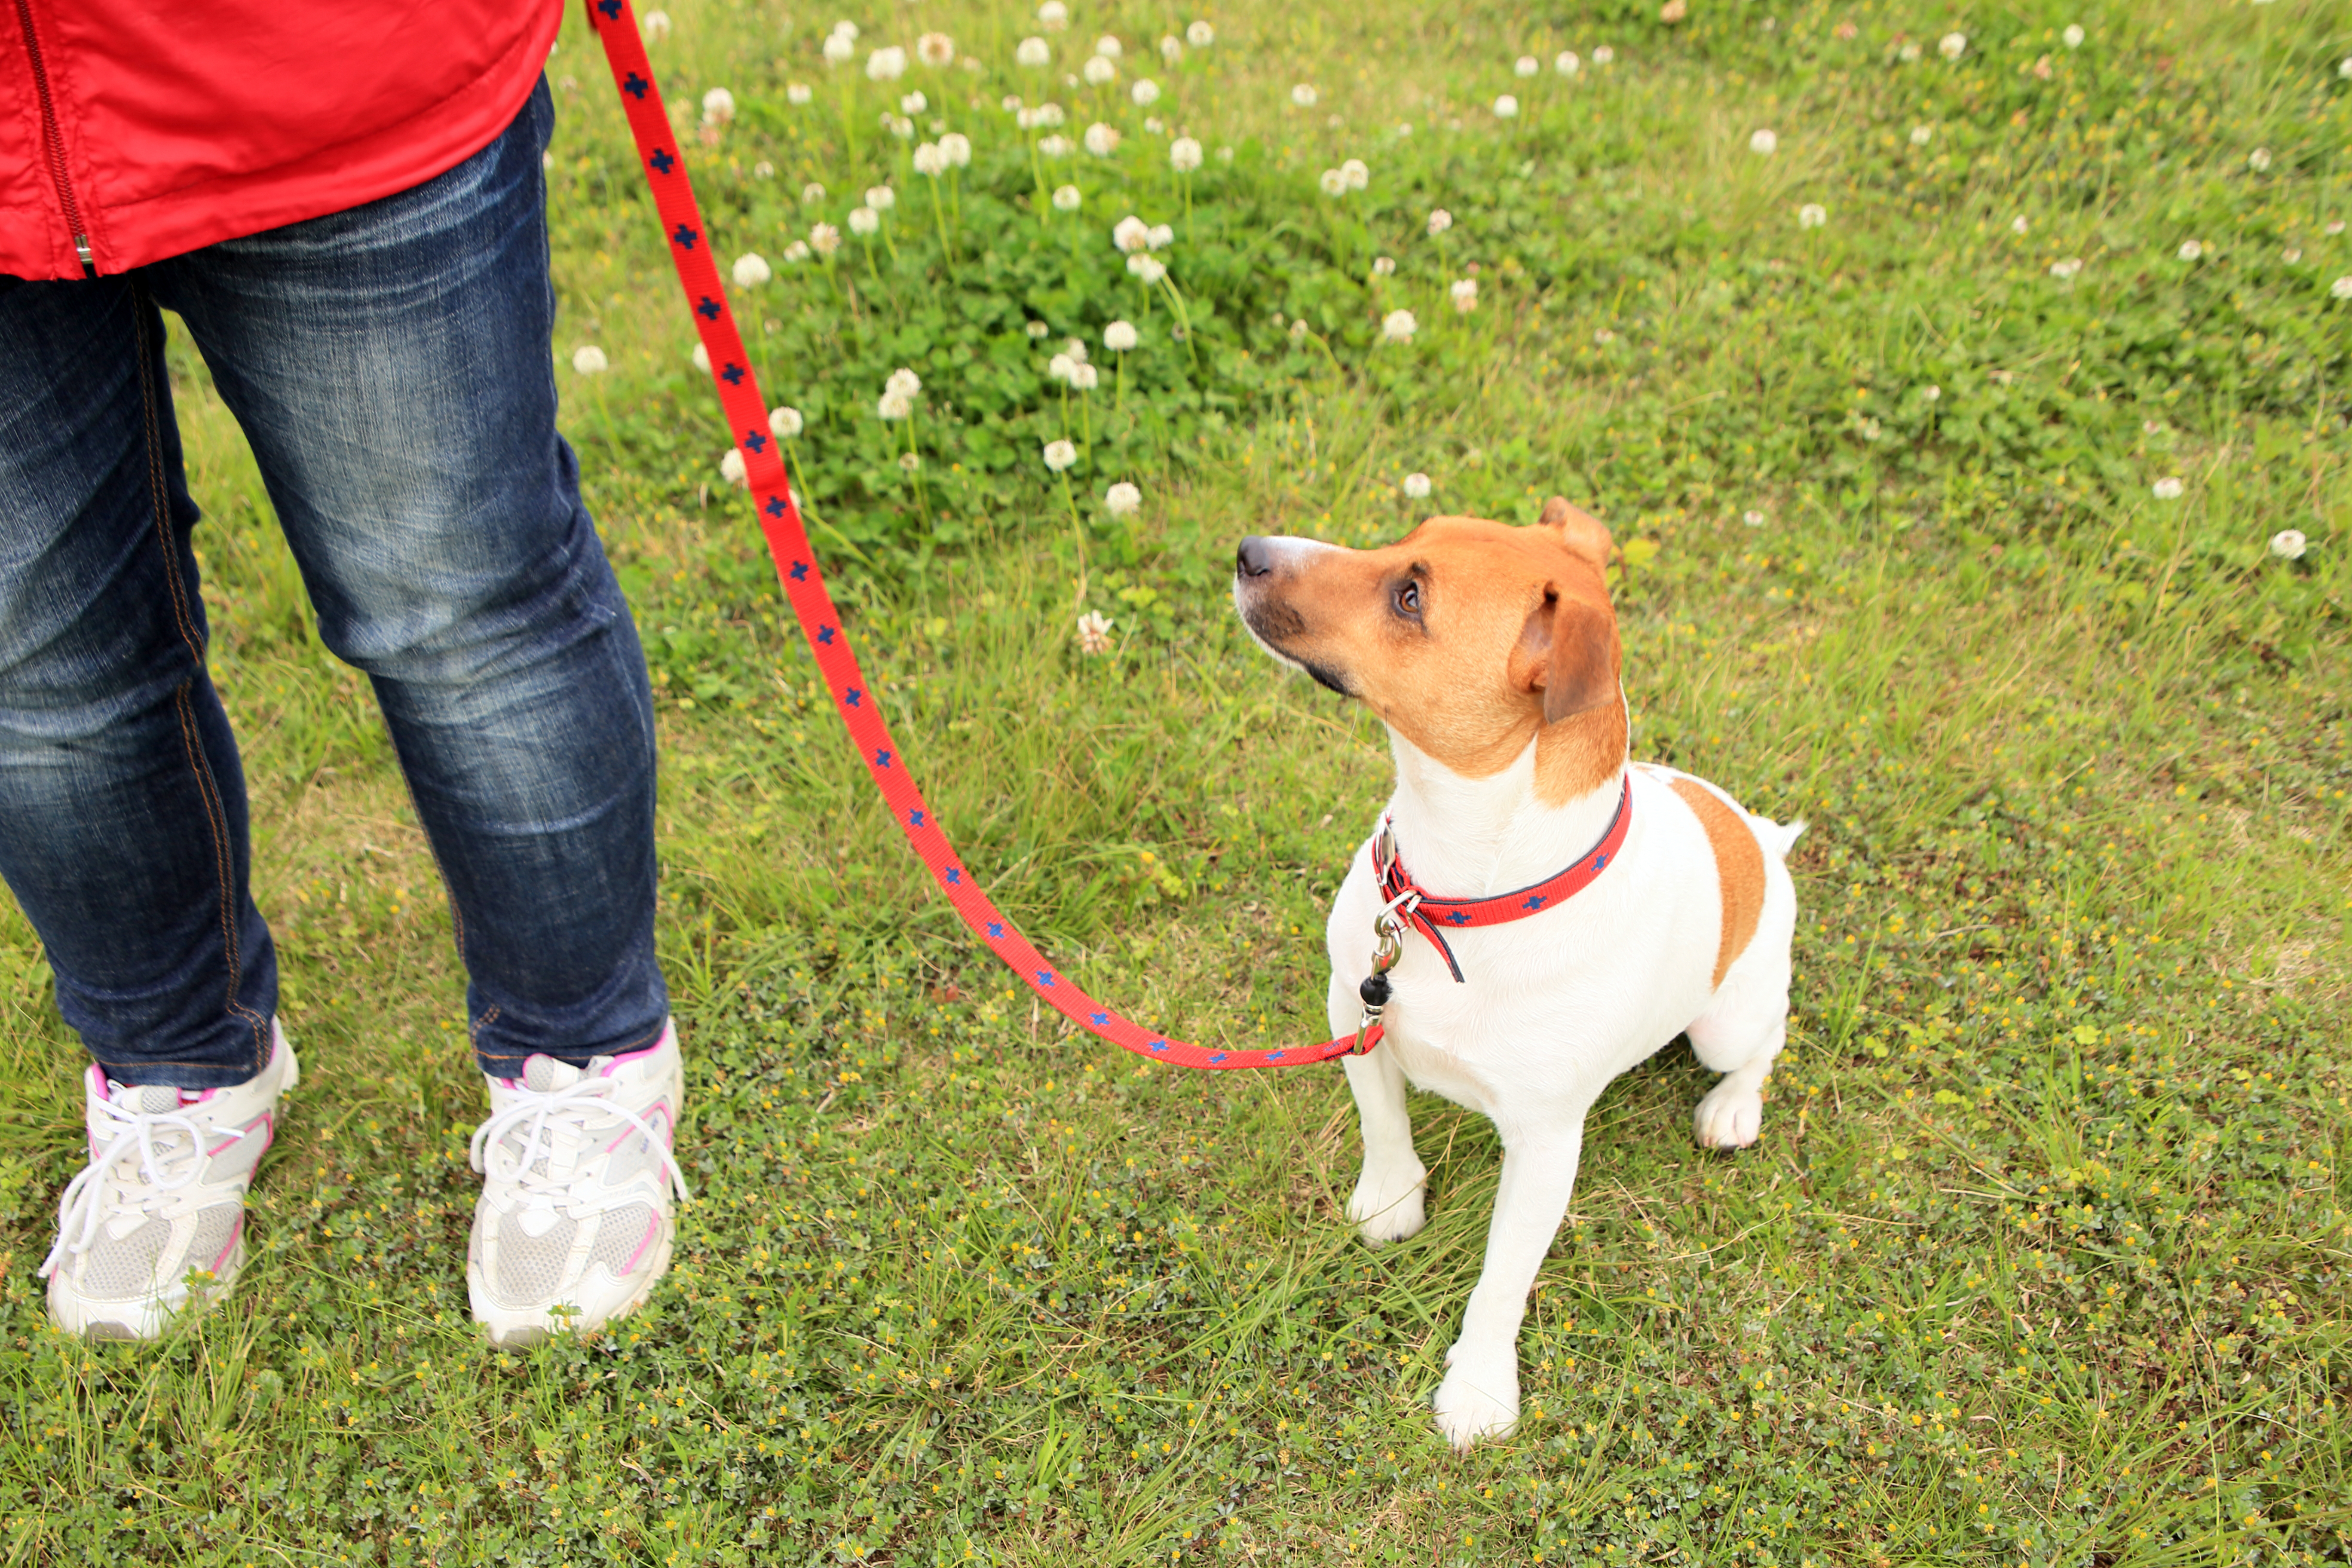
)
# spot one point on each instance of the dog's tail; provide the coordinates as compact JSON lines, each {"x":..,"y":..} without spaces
{"x":1778,"y":837}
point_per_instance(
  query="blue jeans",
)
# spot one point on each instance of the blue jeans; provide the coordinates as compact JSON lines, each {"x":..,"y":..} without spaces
{"x":391,"y":367}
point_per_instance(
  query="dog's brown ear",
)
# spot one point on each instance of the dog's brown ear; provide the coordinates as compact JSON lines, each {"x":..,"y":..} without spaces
{"x":1584,"y":534}
{"x":1571,"y":651}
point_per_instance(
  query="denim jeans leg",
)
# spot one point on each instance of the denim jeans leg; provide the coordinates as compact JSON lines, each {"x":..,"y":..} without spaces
{"x":123,"y":808}
{"x":391,"y":366}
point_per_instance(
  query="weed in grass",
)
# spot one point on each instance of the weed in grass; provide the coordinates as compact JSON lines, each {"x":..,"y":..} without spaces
{"x":2042,"y":1257}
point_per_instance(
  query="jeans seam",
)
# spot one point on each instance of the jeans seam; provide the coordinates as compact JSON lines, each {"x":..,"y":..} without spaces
{"x":207,"y":787}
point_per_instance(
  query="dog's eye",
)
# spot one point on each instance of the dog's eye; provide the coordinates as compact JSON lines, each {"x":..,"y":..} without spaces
{"x":1408,"y":598}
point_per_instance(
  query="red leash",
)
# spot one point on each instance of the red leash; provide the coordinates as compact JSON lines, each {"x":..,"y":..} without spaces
{"x":747,"y":416}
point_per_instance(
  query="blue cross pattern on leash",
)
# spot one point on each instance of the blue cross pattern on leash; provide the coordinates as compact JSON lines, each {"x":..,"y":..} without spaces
{"x":733,"y":375}
{"x":914,"y":819}
{"x":708,"y":310}
{"x":636,"y":86}
{"x":996,"y":930}
{"x":661,"y":161}
{"x":1535,"y":903}
{"x":824,"y":636}
{"x":683,"y":237}
{"x":611,"y":9}
{"x":775,"y":506}
{"x":799,"y":571}
{"x":881,"y":758}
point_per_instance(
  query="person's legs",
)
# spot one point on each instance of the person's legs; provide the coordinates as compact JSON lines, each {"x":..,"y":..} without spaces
{"x":391,"y":366}
{"x":122,"y":810}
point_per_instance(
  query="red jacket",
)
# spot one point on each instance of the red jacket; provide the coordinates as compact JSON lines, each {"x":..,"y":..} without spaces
{"x":135,"y":130}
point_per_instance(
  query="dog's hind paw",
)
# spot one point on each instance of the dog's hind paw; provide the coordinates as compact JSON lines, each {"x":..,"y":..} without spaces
{"x":1729,"y":1117}
{"x":1471,"y":1406}
{"x":1392,"y":1210}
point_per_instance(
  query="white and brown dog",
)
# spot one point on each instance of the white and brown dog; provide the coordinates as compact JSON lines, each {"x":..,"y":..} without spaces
{"x":1491,"y":653}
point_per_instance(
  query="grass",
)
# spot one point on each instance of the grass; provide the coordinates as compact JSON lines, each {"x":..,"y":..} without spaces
{"x":2041,"y":1258}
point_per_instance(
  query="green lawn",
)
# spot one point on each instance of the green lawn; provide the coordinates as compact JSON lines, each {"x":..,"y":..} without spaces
{"x":2041,"y":1258}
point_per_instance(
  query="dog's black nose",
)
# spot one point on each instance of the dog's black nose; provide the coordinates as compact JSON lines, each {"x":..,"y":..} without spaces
{"x":1255,"y":558}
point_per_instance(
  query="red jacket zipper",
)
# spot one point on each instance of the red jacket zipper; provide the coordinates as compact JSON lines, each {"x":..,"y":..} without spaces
{"x":55,"y":142}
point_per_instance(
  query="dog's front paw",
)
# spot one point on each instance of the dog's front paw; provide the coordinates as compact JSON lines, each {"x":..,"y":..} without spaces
{"x":1477,"y":1399}
{"x":1386,"y":1207}
{"x":1729,"y":1117}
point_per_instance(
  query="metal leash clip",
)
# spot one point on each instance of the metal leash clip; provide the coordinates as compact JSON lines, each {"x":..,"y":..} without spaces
{"x":1388,"y":933}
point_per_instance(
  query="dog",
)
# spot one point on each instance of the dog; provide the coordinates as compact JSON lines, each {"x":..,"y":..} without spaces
{"x":1491,"y":653}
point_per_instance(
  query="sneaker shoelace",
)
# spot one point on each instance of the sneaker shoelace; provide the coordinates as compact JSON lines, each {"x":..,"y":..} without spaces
{"x":164,"y":1170}
{"x":544,"y":1115}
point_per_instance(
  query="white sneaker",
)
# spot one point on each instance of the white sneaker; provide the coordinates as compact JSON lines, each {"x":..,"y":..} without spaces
{"x":155,"y":1222}
{"x":573,"y":1226}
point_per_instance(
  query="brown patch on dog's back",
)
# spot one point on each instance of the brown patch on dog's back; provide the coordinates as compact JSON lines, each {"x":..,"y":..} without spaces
{"x":1738,"y":866}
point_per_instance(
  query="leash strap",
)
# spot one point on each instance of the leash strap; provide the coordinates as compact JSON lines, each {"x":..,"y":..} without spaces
{"x":615,"y":24}
{"x":1436,"y":916}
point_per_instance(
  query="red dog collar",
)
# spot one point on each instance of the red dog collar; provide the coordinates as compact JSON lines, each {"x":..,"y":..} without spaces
{"x":1436,"y":916}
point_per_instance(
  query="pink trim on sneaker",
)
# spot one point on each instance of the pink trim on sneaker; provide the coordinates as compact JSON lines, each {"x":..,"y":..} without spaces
{"x":668,"y":1122}
{"x":612,"y":1063}
{"x":236,"y":1233}
{"x":652,"y":1231}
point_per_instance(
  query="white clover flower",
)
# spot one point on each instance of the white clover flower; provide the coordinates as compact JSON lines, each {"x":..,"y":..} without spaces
{"x":1119,"y":336}
{"x":811,"y":193}
{"x":718,"y":106}
{"x":2018,"y":224}
{"x":1171,"y":49}
{"x":785,"y":423}
{"x":1398,"y":327}
{"x":935,"y":50}
{"x":1507,"y":107}
{"x":1077,"y":349}
{"x":1526,"y":65}
{"x":931,"y":161}
{"x":1053,"y":16}
{"x":2335,"y":225}
{"x":1907,"y":53}
{"x":1094,"y":627}
{"x":730,"y":467}
{"x":839,"y":49}
{"x":895,"y":405}
{"x":1932,"y":393}
{"x":1101,"y":140}
{"x":1354,"y":174}
{"x":1060,"y":454}
{"x":2292,"y":255}
{"x":881,"y":198}
{"x":2259,"y":159}
{"x":1059,"y":367}
{"x":1922,"y":134}
{"x":909,"y":461}
{"x":886,"y":64}
{"x":956,"y":148}
{"x":1098,"y":71}
{"x":2072,"y":36}
{"x":2168,"y":489}
{"x":903,"y":381}
{"x":1567,"y":63}
{"x":1812,"y":214}
{"x":1752,"y":518}
{"x":1440,"y":220}
{"x":1145,"y":92}
{"x":1463,"y":291}
{"x":825,"y":239}
{"x":1763,"y":144}
{"x":2344,"y":67}
{"x":655,"y":24}
{"x":763,"y":169}
{"x":845,"y":29}
{"x":1150,"y":268}
{"x":1604,"y":337}
{"x":2061,"y":270}
{"x":1034,"y":53}
{"x":1383,"y":266}
{"x":1162,"y":236}
{"x":1046,"y":116}
{"x":1131,"y":234}
{"x":1334,"y":183}
{"x":1183,"y":154}
{"x":902,"y":128}
{"x":1200,"y":34}
{"x":2190,"y":251}
{"x":1604,"y":56}
{"x":1123,"y":500}
{"x":1108,"y":48}
{"x":1054,"y":146}
{"x":752,"y":269}
{"x":2288,"y":544}
{"x":1067,"y":198}
{"x":1952,"y":46}
{"x":701,"y":358}
{"x":865,"y":220}
{"x":1304,"y":95}
{"x":1036,"y":329}
{"x":1298,"y":331}
{"x":798,"y":92}
{"x":1084,"y":377}
{"x":2341,"y":289}
{"x":1417,"y":486}
{"x":589,"y":360}
{"x":913,"y":103}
